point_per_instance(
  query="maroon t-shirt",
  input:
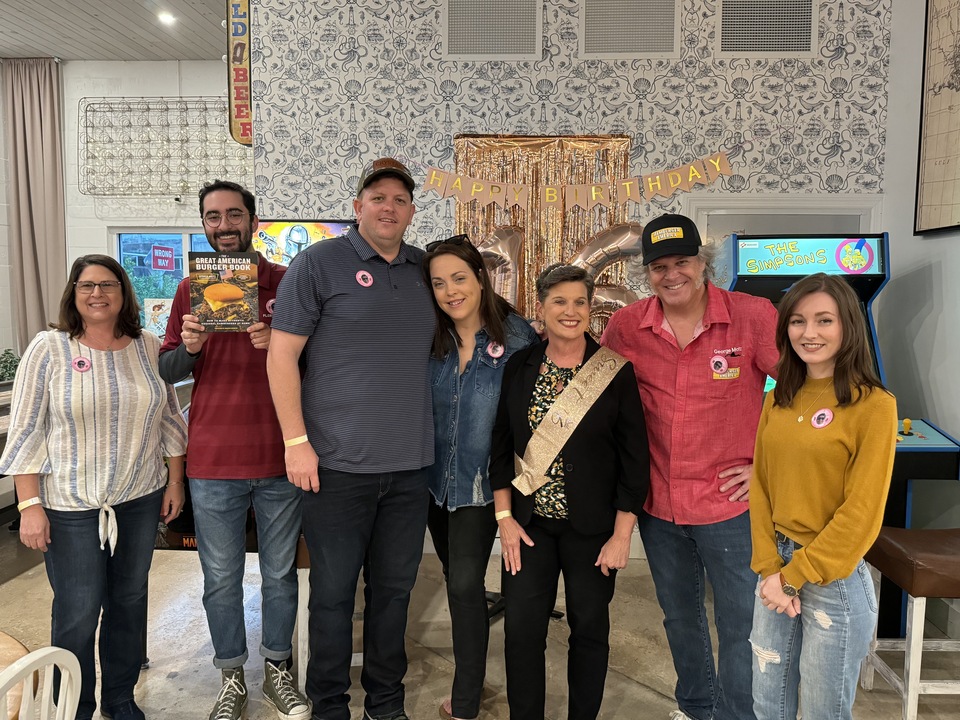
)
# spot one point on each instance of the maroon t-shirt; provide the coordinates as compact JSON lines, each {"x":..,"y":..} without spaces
{"x":233,"y":428}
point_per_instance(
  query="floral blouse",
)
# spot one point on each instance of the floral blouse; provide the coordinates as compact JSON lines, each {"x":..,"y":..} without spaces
{"x":550,"y":501}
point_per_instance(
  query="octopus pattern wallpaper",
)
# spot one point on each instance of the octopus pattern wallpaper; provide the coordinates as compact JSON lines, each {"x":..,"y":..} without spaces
{"x":339,"y":82}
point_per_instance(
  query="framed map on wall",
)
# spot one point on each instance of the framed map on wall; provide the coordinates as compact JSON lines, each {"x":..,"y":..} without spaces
{"x":938,"y":175}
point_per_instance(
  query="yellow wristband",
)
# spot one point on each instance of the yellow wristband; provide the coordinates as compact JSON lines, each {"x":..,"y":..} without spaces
{"x":295,"y":441}
{"x":28,"y":503}
{"x":503,"y":514}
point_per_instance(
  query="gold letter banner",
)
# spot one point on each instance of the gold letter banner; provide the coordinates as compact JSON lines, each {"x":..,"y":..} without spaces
{"x":436,"y":181}
{"x":704,"y":171}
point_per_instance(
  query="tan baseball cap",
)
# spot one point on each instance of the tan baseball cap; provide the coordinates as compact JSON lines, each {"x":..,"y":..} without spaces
{"x":382,"y":167}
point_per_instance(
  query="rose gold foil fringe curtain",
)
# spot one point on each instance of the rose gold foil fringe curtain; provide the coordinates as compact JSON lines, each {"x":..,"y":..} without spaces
{"x":550,"y":234}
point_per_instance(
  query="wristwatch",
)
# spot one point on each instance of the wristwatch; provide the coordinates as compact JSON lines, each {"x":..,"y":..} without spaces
{"x":788,"y":589}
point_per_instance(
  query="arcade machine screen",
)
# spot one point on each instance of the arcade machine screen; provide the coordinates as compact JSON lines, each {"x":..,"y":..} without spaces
{"x":280,"y":240}
{"x":768,"y":266}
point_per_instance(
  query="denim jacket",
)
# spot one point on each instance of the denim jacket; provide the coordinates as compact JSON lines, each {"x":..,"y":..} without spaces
{"x":464,"y":408}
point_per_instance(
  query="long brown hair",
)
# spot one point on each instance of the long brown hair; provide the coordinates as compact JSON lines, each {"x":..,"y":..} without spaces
{"x":128,"y":321}
{"x":854,"y":367}
{"x":493,"y":308}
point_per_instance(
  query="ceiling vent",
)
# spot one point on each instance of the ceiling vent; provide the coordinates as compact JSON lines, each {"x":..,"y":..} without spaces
{"x":487,"y":30}
{"x":768,"y":28}
{"x":625,"y":29}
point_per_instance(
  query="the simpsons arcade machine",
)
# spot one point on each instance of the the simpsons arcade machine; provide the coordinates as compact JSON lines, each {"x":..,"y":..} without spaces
{"x":768,"y":266}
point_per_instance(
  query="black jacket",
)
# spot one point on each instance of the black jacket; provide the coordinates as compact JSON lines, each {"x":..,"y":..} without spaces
{"x":606,"y":460}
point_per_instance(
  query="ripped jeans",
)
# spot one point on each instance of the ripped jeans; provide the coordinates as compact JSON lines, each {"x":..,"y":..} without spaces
{"x":823,"y":646}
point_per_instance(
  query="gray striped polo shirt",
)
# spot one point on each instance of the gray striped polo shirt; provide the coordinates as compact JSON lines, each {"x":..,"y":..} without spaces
{"x":366,"y":394}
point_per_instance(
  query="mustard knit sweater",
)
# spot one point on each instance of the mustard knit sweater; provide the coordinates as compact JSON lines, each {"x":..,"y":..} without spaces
{"x":824,"y":488}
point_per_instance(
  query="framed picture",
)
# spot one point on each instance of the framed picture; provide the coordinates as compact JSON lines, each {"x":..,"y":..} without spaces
{"x":280,"y":240}
{"x":938,"y":174}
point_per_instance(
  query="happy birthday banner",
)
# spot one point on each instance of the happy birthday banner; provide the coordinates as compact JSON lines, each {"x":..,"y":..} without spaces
{"x":638,"y":189}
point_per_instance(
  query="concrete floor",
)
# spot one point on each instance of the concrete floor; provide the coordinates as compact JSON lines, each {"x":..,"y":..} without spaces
{"x":181,"y":682}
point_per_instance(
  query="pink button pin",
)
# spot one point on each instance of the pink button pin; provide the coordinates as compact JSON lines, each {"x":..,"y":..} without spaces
{"x":81,"y":364}
{"x":821,"y":418}
{"x":364,"y":278}
{"x":495,"y":350}
{"x":718,"y":363}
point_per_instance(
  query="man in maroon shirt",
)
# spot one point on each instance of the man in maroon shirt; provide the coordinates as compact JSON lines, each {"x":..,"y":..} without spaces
{"x":235,"y":458}
{"x":701,"y":356}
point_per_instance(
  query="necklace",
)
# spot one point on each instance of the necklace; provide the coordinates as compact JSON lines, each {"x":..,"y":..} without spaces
{"x":108,"y":348}
{"x":802,"y":411}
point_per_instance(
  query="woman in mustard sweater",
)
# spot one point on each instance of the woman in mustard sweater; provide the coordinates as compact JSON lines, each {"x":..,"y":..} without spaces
{"x":824,"y":454}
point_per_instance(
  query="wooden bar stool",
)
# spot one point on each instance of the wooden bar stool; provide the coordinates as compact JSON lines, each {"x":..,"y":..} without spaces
{"x":924,"y":563}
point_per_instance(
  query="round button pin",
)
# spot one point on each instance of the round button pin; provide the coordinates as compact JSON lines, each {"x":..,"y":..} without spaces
{"x":718,"y":364}
{"x":821,"y":418}
{"x":81,"y":364}
{"x":495,"y":350}
{"x":364,"y":278}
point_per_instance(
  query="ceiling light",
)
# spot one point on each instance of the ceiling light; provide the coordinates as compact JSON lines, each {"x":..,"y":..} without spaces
{"x":166,"y":18}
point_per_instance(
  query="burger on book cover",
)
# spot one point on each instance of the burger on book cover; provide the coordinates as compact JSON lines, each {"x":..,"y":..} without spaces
{"x":224,"y":294}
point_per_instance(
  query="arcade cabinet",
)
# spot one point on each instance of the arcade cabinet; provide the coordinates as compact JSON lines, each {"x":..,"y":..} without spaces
{"x":767,"y":266}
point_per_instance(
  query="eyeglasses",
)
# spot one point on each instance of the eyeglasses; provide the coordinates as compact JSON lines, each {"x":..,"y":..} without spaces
{"x":86,"y":287}
{"x":213,"y":219}
{"x":455,"y":240}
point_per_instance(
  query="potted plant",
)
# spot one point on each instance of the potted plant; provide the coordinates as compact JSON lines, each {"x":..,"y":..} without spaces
{"x":8,"y":367}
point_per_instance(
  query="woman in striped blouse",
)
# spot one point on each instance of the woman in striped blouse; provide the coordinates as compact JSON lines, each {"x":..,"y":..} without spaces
{"x":90,"y":424}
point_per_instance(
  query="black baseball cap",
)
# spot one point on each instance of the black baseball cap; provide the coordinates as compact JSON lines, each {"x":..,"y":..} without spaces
{"x":669,"y":235}
{"x":382,"y":167}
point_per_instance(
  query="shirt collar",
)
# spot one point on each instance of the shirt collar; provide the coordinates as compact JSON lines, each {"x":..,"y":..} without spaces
{"x":366,"y":252}
{"x":716,"y":312}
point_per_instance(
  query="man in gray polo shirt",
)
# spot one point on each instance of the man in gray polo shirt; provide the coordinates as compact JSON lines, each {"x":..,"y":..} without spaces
{"x":358,"y":432}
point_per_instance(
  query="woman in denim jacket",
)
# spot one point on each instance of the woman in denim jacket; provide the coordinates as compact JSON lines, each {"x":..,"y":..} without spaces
{"x":477,"y":332}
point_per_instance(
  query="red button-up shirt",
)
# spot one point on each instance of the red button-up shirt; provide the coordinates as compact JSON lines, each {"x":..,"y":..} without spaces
{"x":699,"y":421}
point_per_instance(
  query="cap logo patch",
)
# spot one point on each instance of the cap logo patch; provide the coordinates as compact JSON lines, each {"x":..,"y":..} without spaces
{"x":668,"y":233}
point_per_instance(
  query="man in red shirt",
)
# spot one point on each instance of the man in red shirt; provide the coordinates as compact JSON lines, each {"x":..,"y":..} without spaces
{"x":235,"y":458}
{"x":701,"y":356}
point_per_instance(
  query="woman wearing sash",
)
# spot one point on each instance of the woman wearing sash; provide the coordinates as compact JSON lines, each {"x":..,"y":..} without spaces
{"x":570,"y":471}
{"x":477,"y":332}
{"x":812,"y":521}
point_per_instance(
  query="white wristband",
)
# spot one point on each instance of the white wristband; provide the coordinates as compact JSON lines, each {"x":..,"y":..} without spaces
{"x":28,"y":503}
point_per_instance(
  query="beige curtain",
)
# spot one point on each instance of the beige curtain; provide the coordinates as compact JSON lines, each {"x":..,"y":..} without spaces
{"x":38,"y":246}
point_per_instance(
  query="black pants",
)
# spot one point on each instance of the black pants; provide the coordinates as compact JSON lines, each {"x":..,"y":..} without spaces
{"x":463,"y":539}
{"x":376,"y":522}
{"x":530,"y":597}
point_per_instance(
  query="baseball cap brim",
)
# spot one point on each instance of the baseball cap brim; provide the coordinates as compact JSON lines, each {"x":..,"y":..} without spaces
{"x":385,"y":167}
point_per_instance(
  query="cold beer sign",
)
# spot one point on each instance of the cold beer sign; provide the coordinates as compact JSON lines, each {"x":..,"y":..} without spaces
{"x":238,"y":70}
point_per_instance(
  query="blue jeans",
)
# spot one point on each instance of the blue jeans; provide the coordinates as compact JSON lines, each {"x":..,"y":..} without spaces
{"x":823,"y":646}
{"x":375,"y":522}
{"x":678,"y":556}
{"x":220,"y":511}
{"x":86,"y":580}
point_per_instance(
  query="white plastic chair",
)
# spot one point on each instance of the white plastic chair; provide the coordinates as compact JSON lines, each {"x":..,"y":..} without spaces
{"x":44,"y":707}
